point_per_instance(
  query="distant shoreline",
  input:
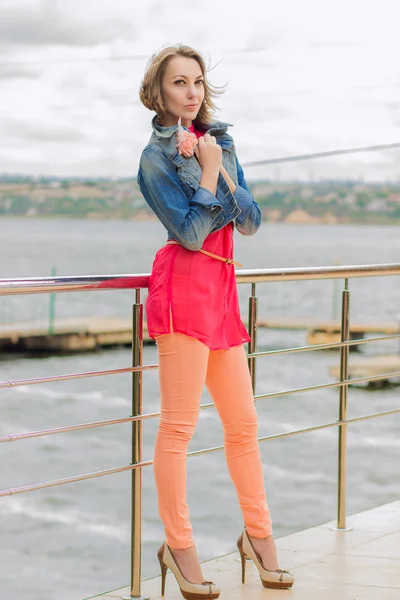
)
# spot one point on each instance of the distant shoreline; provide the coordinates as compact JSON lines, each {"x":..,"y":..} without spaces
{"x":312,"y":221}
{"x":312,"y":203}
{"x":77,"y":218}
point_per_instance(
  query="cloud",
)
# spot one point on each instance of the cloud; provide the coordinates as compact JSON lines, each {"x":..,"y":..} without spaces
{"x":168,"y":16}
{"x":330,"y":44}
{"x":295,"y":83}
{"x":19,"y":131}
{"x":10,"y":71}
{"x":48,"y":23}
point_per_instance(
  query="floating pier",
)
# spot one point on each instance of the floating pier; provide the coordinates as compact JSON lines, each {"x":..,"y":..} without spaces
{"x":67,"y":335}
{"x":368,"y":366}
{"x":320,"y":331}
{"x":82,"y":334}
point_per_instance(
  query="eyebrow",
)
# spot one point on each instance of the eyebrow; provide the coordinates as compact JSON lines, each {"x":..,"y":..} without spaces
{"x":198,"y":77}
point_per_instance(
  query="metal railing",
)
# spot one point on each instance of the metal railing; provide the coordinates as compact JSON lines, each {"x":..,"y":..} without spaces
{"x":106,"y":282}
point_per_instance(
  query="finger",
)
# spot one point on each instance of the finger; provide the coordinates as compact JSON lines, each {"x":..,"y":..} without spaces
{"x":213,"y":139}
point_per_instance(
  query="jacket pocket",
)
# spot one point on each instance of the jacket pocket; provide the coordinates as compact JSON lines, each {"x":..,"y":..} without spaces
{"x":190,"y":172}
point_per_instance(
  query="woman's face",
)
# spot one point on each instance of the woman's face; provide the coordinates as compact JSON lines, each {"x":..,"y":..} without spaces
{"x":181,"y":87}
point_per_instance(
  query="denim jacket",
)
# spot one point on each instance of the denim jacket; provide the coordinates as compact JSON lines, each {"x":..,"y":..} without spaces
{"x":170,"y":184}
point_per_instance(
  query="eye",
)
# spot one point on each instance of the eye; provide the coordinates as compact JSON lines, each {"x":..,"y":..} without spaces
{"x":198,"y":81}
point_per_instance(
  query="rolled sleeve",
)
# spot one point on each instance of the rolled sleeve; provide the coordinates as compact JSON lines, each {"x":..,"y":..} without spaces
{"x":249,"y":220}
{"x":203,"y":197}
{"x":189,"y":220}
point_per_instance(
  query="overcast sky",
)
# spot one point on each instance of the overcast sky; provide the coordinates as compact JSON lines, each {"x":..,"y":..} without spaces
{"x":303,"y":76}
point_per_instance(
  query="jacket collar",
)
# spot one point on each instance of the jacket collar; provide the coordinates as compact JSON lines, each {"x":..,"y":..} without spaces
{"x":217,"y":128}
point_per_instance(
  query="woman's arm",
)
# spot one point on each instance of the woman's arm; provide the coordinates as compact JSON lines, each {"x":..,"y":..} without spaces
{"x":224,"y":172}
{"x":189,"y":221}
{"x":249,"y":220}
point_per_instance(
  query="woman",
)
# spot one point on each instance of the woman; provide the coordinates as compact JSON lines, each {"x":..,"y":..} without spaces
{"x":191,"y":178}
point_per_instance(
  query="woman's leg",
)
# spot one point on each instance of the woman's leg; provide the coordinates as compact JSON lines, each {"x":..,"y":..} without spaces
{"x":229,"y":383}
{"x":182,"y":373}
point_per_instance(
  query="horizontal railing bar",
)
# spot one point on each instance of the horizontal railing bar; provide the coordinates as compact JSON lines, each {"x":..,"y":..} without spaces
{"x":328,"y":425}
{"x":48,"y":484}
{"x":20,"y":382}
{"x":85,"y":283}
{"x":297,"y":274}
{"x":277,"y":436}
{"x":15,"y":437}
{"x":30,"y":488}
{"x":19,"y":436}
{"x":355,"y":342}
{"x":328,"y":385}
{"x":73,"y":283}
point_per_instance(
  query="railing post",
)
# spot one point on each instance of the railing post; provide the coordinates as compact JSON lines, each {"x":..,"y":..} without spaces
{"x":398,"y":319}
{"x":253,"y":306}
{"x":52,"y":306}
{"x":335,"y":294}
{"x":136,"y":482}
{"x":342,"y":433}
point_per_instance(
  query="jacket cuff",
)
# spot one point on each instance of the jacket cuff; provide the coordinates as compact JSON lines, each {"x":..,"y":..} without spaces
{"x":206,"y":199}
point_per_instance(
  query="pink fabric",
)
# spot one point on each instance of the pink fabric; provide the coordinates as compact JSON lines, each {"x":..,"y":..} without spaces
{"x":195,"y":131}
{"x":195,"y":294}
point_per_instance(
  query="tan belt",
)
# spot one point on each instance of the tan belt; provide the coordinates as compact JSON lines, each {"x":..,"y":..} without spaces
{"x":228,"y":261}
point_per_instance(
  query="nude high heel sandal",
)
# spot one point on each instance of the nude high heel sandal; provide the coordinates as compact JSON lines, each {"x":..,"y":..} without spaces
{"x":269,"y":579}
{"x":190,"y":591}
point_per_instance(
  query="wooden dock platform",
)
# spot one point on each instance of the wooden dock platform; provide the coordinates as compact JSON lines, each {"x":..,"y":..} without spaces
{"x":68,"y":335}
{"x":360,"y":564}
{"x":368,"y":366}
{"x":328,"y":325}
{"x":91,"y":333}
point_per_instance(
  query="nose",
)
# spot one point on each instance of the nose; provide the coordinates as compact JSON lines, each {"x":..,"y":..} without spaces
{"x":192,"y":92}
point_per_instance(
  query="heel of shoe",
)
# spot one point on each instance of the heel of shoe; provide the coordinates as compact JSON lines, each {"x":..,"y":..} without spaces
{"x":190,"y":591}
{"x":242,"y":557}
{"x":163,"y":567}
{"x":279,"y":578}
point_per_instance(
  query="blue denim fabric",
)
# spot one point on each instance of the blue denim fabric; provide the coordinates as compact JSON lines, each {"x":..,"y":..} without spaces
{"x":170,"y":184}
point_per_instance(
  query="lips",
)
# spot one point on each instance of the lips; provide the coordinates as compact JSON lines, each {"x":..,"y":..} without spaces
{"x":191,"y":105}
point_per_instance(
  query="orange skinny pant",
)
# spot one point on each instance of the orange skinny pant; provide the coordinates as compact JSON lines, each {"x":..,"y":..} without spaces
{"x":185,"y":365}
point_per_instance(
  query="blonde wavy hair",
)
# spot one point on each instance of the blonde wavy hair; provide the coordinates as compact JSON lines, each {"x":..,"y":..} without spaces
{"x":150,"y":88}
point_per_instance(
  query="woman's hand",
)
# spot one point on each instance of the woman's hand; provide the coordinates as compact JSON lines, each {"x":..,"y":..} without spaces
{"x":209,"y":153}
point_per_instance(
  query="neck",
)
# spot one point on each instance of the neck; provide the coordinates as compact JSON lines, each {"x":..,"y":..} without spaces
{"x":171,"y":120}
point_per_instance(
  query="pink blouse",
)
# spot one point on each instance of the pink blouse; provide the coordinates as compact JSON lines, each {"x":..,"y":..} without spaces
{"x":195,"y":294}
